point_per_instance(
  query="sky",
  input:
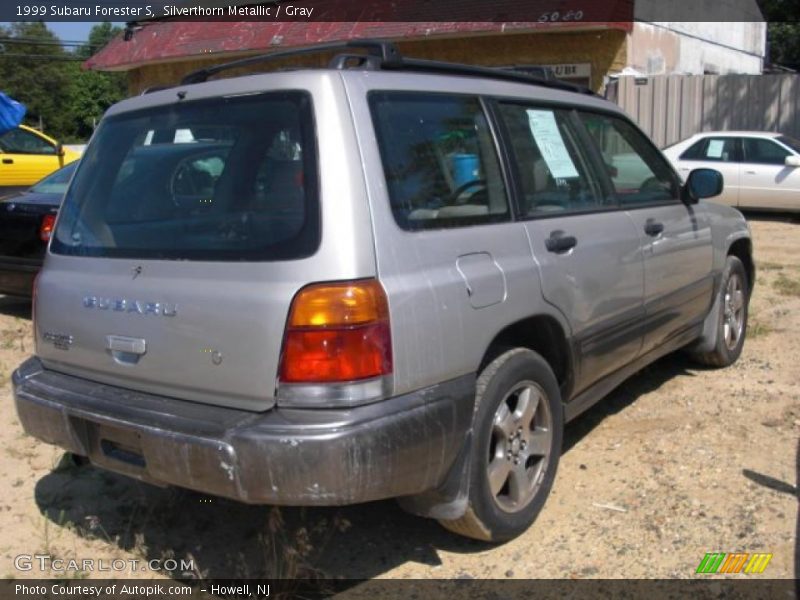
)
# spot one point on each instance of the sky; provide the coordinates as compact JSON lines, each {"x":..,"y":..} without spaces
{"x":73,"y":31}
{"x":77,"y":32}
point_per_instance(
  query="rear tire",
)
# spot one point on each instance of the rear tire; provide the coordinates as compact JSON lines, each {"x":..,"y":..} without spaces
{"x":733,"y":299}
{"x":517,"y":436}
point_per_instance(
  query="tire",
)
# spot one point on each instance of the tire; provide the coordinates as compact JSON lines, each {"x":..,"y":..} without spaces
{"x":733,"y":299}
{"x":517,"y":435}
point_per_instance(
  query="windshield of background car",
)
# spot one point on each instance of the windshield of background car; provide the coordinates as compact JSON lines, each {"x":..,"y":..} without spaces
{"x":793,"y":143}
{"x":56,"y":183}
{"x":229,"y":178}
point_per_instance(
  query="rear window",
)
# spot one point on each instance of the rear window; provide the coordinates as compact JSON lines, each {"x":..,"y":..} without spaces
{"x":223,"y":179}
{"x":57,"y":182}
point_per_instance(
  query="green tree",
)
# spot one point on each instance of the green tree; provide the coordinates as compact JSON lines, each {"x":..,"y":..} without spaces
{"x":99,"y":36}
{"x":59,"y":94}
{"x":92,"y":92}
{"x":783,"y":31}
{"x":33,"y":70}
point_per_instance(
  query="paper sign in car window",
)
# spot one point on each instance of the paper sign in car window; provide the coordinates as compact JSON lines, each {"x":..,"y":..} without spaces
{"x":554,"y":151}
{"x":715,"y":148}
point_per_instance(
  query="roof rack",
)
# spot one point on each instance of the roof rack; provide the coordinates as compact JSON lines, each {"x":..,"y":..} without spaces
{"x":385,"y":51}
{"x":384,"y":55}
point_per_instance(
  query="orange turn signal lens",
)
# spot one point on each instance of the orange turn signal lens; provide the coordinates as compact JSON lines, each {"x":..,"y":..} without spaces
{"x":337,"y":332}
{"x":337,"y":304}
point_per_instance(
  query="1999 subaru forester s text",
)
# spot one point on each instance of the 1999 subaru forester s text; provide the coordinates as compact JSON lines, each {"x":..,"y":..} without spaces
{"x":386,"y":278}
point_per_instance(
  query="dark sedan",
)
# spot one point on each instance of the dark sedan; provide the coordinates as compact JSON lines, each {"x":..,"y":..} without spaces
{"x":26,"y":222}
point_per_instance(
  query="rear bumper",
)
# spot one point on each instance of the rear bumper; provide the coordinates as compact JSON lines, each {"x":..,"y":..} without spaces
{"x":17,"y":275}
{"x":397,"y":447}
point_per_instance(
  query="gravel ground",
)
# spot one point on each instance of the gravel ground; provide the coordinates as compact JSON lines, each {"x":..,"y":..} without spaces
{"x":677,"y":462}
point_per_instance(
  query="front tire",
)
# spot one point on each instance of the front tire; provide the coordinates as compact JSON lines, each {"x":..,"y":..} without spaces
{"x":733,"y":299}
{"x":517,"y":432}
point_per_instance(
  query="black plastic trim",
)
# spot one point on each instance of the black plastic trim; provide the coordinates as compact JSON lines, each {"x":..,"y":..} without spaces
{"x":397,"y":447}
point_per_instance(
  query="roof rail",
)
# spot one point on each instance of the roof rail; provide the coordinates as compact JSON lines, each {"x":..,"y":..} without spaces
{"x":434,"y":66}
{"x":381,"y":54}
{"x":385,"y":51}
{"x":155,"y":88}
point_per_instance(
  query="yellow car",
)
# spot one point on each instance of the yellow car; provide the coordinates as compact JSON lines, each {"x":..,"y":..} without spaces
{"x":27,"y":155}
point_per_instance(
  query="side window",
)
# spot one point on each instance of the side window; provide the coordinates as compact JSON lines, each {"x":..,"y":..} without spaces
{"x":765,"y":152}
{"x":639,"y":174}
{"x":553,"y":170}
{"x":439,"y":160}
{"x":19,"y":141}
{"x":713,"y":149}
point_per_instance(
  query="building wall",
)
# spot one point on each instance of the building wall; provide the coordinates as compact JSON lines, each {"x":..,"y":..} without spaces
{"x":604,"y":50}
{"x":662,"y":48}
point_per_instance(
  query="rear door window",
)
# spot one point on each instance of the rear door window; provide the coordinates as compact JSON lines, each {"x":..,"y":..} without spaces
{"x":553,"y":170}
{"x":222,"y":179}
{"x":765,"y":152}
{"x":439,"y":160}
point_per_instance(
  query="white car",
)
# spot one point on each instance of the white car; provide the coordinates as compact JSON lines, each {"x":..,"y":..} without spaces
{"x":761,"y":169}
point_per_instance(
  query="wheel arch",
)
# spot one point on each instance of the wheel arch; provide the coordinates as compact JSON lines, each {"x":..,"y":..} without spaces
{"x":544,"y":335}
{"x":743,"y":250}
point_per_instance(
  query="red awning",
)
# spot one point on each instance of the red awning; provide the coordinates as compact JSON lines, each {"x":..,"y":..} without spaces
{"x":167,"y":41}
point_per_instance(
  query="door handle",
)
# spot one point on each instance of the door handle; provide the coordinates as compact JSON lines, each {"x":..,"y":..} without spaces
{"x":560,"y":243}
{"x":125,"y":350}
{"x":750,"y":172}
{"x":8,"y":161}
{"x":653,"y":228}
{"x":130,"y":345}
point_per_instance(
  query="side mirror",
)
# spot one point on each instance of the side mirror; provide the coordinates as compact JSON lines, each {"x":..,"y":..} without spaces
{"x":792,"y":161}
{"x":703,"y":183}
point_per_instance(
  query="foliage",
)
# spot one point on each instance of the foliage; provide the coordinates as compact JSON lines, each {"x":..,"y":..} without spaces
{"x":61,"y":96}
{"x":783,"y":31}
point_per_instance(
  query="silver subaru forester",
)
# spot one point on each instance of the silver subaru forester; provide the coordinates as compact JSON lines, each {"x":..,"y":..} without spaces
{"x":388,"y":278}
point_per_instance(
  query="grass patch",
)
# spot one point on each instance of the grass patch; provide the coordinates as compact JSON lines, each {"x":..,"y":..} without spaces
{"x":769,"y":266}
{"x":786,"y":287}
{"x":13,"y":338}
{"x":758,"y":329}
{"x":20,"y":453}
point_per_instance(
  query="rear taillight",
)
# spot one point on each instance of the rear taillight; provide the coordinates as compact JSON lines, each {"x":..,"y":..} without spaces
{"x":46,"y":229}
{"x":337,"y":332}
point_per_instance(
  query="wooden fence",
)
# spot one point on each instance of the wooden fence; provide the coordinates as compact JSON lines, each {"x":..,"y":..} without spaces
{"x":670,"y":108}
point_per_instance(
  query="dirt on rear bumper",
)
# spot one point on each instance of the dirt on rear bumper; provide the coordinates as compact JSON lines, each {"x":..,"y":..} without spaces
{"x":400,"y":446}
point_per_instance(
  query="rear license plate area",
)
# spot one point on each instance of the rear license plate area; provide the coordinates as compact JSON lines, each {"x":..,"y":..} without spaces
{"x":116,"y":445}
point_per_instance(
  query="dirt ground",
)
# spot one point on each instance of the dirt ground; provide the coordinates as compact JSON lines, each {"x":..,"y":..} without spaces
{"x":678,"y":462}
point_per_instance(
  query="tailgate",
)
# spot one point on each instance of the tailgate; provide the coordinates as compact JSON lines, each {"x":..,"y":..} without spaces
{"x":177,"y":248}
{"x":196,"y":331}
